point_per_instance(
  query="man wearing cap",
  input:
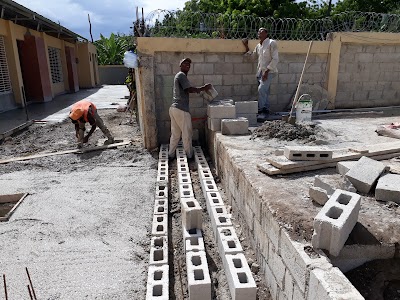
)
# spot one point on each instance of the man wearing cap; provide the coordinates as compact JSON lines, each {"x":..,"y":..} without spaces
{"x":267,"y":52}
{"x":181,"y":120}
{"x":85,"y":111}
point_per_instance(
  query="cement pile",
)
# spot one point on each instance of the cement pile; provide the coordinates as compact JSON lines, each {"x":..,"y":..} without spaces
{"x":284,"y":131}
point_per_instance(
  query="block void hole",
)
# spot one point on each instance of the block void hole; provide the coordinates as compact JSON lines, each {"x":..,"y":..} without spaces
{"x":160,"y":209}
{"x":158,"y":275}
{"x":190,"y":204}
{"x":196,"y":260}
{"x":296,"y":154}
{"x":310,"y":155}
{"x":194,"y":241}
{"x":213,"y":194}
{"x":160,"y":219}
{"x":161,"y":194}
{"x":215,"y":200}
{"x":226,"y":232}
{"x":157,"y":291}
{"x":219,"y":210}
{"x":237,"y":263}
{"x":324,"y":155}
{"x":158,"y":255}
{"x":160,"y":228}
{"x":185,"y":180}
{"x":222,"y":219}
{"x":242,"y":277}
{"x":162,"y":177}
{"x":159,"y":242}
{"x":334,"y":212}
{"x":161,"y":202}
{"x":186,"y":193}
{"x":231,"y":244}
{"x":198,"y":275}
{"x":210,"y":186}
{"x":344,"y":199}
{"x":162,"y":188}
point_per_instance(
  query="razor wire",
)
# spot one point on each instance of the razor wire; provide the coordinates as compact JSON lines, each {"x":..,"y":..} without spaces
{"x":188,"y":24}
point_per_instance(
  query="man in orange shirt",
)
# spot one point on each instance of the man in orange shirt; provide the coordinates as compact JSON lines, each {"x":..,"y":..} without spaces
{"x":85,"y":111}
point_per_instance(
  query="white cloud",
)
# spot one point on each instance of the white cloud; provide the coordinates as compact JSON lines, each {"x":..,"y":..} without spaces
{"x":106,"y":16}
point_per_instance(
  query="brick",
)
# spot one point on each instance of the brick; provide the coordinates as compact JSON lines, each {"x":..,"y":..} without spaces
{"x":246,"y":107}
{"x":160,"y":206}
{"x":184,"y":178}
{"x":364,"y":173}
{"x":186,"y":191}
{"x":240,"y":280}
{"x":161,"y":191}
{"x":182,"y":167}
{"x":213,"y":199}
{"x":335,"y":221}
{"x":160,"y":225}
{"x":191,"y":213}
{"x":318,"y":195}
{"x":228,"y":242}
{"x":307,"y":153}
{"x":331,"y":284}
{"x":219,"y":218}
{"x":159,"y":251}
{"x":221,"y":111}
{"x":158,"y":283}
{"x":194,"y":243}
{"x":199,"y":282}
{"x":214,"y":124}
{"x":388,"y":188}
{"x":235,"y":126}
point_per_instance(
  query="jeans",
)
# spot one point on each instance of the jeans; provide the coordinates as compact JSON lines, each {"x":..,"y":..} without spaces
{"x":263,"y":92}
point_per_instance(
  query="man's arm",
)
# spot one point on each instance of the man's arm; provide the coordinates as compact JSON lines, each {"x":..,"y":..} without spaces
{"x":92,"y":122}
{"x":193,"y":89}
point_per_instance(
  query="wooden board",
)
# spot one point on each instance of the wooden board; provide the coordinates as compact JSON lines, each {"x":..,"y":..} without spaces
{"x":282,"y":162}
{"x":8,"y":215}
{"x":77,"y":151}
{"x":16,"y":129}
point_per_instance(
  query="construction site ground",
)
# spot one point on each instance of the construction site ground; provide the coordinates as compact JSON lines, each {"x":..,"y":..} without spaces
{"x":84,"y":229}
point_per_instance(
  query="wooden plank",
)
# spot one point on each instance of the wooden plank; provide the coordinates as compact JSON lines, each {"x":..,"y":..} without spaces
{"x":77,"y":151}
{"x":15,"y":129}
{"x":10,"y":198}
{"x":282,"y":162}
{"x":8,"y":215}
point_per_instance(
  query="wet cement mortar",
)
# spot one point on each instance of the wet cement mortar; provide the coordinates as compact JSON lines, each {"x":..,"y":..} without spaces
{"x":84,"y":230}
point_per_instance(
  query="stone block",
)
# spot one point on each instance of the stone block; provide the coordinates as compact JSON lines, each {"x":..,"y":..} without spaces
{"x":234,"y":126}
{"x":388,"y":188}
{"x":307,"y":153}
{"x":246,"y":107}
{"x":335,"y":221}
{"x":365,"y":173}
{"x":191,"y":213}
{"x":318,"y":195}
{"x":221,"y":111}
{"x":199,"y":282}
{"x":158,"y":283}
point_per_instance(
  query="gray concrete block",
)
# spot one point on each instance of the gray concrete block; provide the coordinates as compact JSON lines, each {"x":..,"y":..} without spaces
{"x":158,"y":283}
{"x":332,"y":182}
{"x":199,"y":281}
{"x":365,"y":173}
{"x":214,"y":124}
{"x":319,"y":195}
{"x":235,"y":126}
{"x":191,"y":213}
{"x":252,"y":118}
{"x":335,"y":221}
{"x":388,"y":188}
{"x":307,"y":153}
{"x":246,"y":107}
{"x":221,"y":111}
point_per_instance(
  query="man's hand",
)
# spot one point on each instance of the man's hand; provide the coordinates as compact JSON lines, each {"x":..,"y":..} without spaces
{"x":245,"y":42}
{"x":265,"y":75}
{"x":207,"y":86}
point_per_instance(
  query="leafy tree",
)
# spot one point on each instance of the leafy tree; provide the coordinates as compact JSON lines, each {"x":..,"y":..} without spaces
{"x":377,"y":6}
{"x":110,"y":51}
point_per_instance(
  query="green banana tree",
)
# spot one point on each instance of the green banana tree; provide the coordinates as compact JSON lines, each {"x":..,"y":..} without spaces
{"x":110,"y":51}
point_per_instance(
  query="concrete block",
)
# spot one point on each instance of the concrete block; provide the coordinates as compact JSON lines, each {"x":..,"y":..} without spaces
{"x":214,"y":124}
{"x":161,"y":192}
{"x":224,"y":102}
{"x":203,"y":165}
{"x":332,"y":182}
{"x":228,"y":242}
{"x":307,"y":153}
{"x":221,"y":111}
{"x":182,"y":167}
{"x":191,"y":213}
{"x":331,"y":284}
{"x":213,"y":199}
{"x":335,"y":221}
{"x":194,"y":243}
{"x":197,"y":150}
{"x":219,"y":219}
{"x":323,"y":182}
{"x":158,"y":283}
{"x":190,"y":234}
{"x":388,"y":188}
{"x":246,"y":107}
{"x":162,"y":178}
{"x":318,"y":195}
{"x":159,"y":251}
{"x":163,"y":163}
{"x":343,"y":167}
{"x":252,"y":118}
{"x":205,"y":174}
{"x":235,"y":126}
{"x":199,"y":159}
{"x":184,"y":178}
{"x":186,"y":191}
{"x":163,"y":155}
{"x":181,"y":159}
{"x":160,"y":206}
{"x":199,"y":282}
{"x":208,"y":185}
{"x":365,"y":173}
{"x":160,"y":225}
{"x":240,"y":280}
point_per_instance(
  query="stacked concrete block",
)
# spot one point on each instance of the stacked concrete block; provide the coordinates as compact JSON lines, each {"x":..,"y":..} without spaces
{"x":158,"y":275}
{"x":157,"y":283}
{"x":228,"y":242}
{"x":213,"y":199}
{"x":335,"y":221}
{"x":191,"y":213}
{"x":199,"y":281}
{"x":248,"y":110}
{"x":307,"y":153}
{"x":239,"y":126}
{"x":240,"y":280}
{"x":364,"y":174}
{"x":208,"y":185}
{"x":218,"y":111}
{"x":388,"y":188}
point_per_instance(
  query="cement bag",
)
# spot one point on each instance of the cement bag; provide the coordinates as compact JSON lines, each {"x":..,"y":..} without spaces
{"x":391,"y":130}
{"x":130,"y":59}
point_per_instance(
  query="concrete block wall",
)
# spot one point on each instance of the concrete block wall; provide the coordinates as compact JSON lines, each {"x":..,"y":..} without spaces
{"x":287,"y":264}
{"x":369,"y":76}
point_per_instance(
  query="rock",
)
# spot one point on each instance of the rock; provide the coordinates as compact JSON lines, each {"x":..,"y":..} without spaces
{"x":318,"y":195}
{"x":250,"y":262}
{"x":255,"y":268}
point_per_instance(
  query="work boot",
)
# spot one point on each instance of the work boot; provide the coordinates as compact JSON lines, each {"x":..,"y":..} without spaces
{"x":109,"y":141}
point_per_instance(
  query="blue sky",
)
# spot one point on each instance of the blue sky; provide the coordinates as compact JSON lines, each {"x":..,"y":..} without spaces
{"x":106,"y":16}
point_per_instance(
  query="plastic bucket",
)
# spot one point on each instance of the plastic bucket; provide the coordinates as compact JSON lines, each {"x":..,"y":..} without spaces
{"x":303,"y":110}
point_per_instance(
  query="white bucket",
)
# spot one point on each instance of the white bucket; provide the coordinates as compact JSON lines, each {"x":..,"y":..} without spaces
{"x":303,"y":110}
{"x":210,"y":94}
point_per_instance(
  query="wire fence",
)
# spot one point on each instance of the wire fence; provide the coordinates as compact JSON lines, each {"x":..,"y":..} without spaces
{"x":164,"y":23}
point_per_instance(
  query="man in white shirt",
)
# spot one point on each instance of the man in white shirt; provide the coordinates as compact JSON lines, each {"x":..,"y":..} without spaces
{"x":268,"y":58}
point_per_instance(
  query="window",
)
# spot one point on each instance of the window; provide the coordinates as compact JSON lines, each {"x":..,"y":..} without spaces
{"x":5,"y":82}
{"x":55,"y":65}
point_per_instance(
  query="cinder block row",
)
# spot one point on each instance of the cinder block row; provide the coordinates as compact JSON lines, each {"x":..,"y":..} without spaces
{"x":208,"y":185}
{"x":240,"y":280}
{"x":246,"y":107}
{"x":194,"y":243}
{"x":163,"y":163}
{"x":160,"y":225}
{"x":182,"y":159}
{"x":186,"y":191}
{"x":199,"y":159}
{"x":335,"y":221}
{"x":161,"y":191}
{"x":180,"y":151}
{"x":184,"y":178}
{"x":221,"y":111}
{"x":235,"y":126}
{"x":163,"y":154}
{"x":213,"y":199}
{"x":197,"y":150}
{"x":183,"y":167}
{"x":205,"y":174}
{"x":162,"y":178}
{"x":159,"y":251}
{"x":191,"y":213}
{"x":161,"y":206}
{"x":307,"y":153}
{"x":228,"y":242}
{"x":158,"y":283}
{"x":219,"y":218}
{"x":199,"y":282}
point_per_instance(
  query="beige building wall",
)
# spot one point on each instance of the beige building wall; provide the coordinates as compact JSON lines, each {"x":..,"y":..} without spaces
{"x":88,"y":71}
{"x":221,"y":62}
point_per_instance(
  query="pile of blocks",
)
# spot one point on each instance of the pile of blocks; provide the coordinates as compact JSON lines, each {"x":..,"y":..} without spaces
{"x":240,"y":279}
{"x":230,"y":118}
{"x":158,"y":274}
